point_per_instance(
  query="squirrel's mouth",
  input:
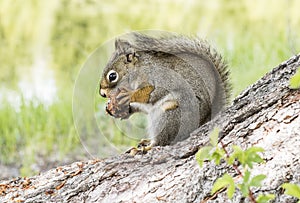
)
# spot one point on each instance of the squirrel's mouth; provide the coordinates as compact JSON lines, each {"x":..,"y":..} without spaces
{"x":103,"y":92}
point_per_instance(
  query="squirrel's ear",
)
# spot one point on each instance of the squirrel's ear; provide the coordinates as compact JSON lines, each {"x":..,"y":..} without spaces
{"x":125,"y":47}
{"x":122,"y":45}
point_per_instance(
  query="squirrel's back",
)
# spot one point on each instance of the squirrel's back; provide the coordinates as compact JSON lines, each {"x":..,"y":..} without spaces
{"x":196,"y":61}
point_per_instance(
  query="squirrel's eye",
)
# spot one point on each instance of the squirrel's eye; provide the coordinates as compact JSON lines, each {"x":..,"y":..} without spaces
{"x":112,"y":76}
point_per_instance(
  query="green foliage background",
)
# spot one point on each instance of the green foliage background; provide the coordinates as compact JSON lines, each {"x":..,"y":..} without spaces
{"x":253,"y":35}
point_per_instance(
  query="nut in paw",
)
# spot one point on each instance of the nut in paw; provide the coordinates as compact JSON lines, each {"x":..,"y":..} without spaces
{"x":118,"y":105}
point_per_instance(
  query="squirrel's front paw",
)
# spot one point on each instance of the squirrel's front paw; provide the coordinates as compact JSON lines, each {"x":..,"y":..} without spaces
{"x":119,"y":104}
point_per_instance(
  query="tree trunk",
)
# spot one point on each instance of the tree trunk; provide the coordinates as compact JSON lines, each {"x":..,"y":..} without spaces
{"x":266,"y":115}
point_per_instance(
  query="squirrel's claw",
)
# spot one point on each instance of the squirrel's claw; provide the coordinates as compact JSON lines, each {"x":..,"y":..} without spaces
{"x":143,"y":147}
{"x":124,"y":96}
{"x":144,"y":143}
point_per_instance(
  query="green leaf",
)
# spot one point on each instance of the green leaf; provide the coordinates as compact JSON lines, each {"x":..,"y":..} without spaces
{"x":256,"y":180}
{"x":247,"y":157}
{"x":237,"y":154}
{"x":295,"y":80}
{"x":246,"y":176}
{"x":291,"y":189}
{"x":214,"y":137}
{"x":217,"y":155}
{"x":265,"y":198}
{"x":251,"y":156}
{"x":203,"y":154}
{"x":225,"y":181}
{"x":244,"y":187}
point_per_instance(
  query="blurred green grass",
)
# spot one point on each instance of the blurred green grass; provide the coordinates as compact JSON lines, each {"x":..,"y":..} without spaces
{"x":254,"y":36}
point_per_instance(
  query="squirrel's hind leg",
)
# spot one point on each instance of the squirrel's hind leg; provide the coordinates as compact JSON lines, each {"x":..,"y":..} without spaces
{"x":163,"y":123}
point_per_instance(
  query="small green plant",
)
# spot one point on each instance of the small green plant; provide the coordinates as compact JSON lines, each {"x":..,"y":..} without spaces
{"x":292,"y":189}
{"x":295,"y":80}
{"x":246,"y":158}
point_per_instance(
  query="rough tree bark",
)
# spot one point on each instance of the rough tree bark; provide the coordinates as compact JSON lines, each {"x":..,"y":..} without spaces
{"x":266,"y":114}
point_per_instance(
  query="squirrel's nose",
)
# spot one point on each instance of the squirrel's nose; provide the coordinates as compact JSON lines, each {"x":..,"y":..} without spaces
{"x":103,"y":92}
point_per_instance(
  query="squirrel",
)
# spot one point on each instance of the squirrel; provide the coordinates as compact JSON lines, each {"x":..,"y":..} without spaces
{"x":179,"y":82}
